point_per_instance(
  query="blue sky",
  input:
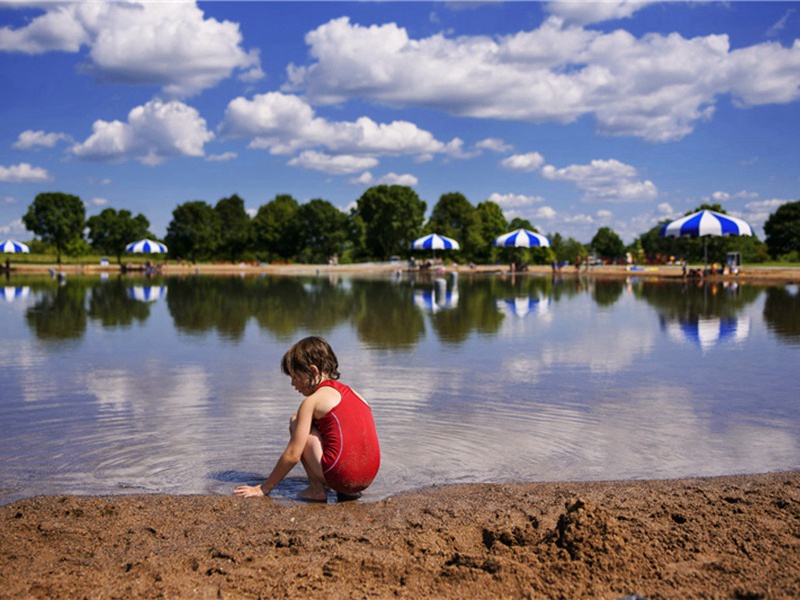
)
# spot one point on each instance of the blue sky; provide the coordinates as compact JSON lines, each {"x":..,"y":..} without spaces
{"x":572,"y":115}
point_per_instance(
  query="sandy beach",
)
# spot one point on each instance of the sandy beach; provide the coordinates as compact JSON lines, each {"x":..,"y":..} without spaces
{"x":727,"y":537}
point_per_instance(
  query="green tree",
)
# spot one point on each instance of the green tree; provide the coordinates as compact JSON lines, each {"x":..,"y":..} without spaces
{"x":493,"y":225}
{"x":57,"y":219}
{"x":234,"y":224}
{"x":782,"y":230}
{"x":566,"y":250}
{"x":389,"y":218}
{"x":607,"y":244}
{"x":193,"y":231}
{"x":112,"y":230}
{"x":454,"y":216}
{"x":520,"y":223}
{"x":321,"y":231}
{"x":274,"y":228}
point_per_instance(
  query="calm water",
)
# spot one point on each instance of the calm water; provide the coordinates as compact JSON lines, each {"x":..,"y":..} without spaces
{"x":173,"y":385}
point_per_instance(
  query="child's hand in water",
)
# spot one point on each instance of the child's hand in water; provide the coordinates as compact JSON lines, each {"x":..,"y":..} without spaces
{"x":248,"y":491}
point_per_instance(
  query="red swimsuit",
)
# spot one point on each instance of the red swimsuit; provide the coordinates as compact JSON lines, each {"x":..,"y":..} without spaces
{"x":351,"y":455}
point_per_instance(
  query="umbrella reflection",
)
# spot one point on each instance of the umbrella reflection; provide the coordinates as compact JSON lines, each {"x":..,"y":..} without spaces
{"x":147,"y":293}
{"x":522,"y":307}
{"x":11,"y":293}
{"x":438,"y":299}
{"x":708,"y":332}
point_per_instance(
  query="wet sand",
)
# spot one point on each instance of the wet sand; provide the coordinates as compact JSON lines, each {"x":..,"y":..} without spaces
{"x":727,"y":537}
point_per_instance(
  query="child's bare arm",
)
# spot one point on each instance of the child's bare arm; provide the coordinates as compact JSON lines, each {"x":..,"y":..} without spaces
{"x":290,"y":457}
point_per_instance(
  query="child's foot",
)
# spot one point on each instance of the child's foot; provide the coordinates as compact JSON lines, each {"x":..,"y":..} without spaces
{"x":342,"y":497}
{"x":313,"y":495}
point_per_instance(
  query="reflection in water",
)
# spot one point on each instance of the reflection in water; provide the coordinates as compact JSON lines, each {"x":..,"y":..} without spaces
{"x":59,"y":315}
{"x":782,"y":312}
{"x":708,"y":332}
{"x":10,"y":293}
{"x":512,"y":378}
{"x":385,"y":316}
{"x":147,"y":293}
{"x":703,"y":314}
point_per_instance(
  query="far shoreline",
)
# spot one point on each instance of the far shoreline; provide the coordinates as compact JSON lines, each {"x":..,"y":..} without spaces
{"x":752,"y":273}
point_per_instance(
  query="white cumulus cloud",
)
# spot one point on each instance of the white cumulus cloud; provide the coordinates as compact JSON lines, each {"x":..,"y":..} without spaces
{"x":31,"y":139}
{"x":335,"y":165}
{"x":367,"y":178}
{"x":608,"y":180}
{"x":153,"y":133}
{"x":285,"y":124}
{"x":658,"y":86}
{"x":23,"y":173}
{"x":531,"y":161}
{"x":168,"y":44}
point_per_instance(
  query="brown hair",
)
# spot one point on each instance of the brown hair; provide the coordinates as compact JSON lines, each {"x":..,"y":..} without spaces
{"x":307,"y":352}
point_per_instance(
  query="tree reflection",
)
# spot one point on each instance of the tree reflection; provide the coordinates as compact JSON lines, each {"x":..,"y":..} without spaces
{"x":59,"y":314}
{"x":111,"y":305}
{"x":782,"y":313}
{"x":606,"y":292}
{"x":476,"y":310}
{"x":202,"y":304}
{"x":384,"y":314}
{"x":690,"y":301}
{"x":286,"y":305}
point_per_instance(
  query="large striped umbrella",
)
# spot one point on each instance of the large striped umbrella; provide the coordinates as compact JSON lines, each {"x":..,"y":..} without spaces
{"x":13,"y":247}
{"x":434,"y":241}
{"x":705,"y":223}
{"x":521,"y":238}
{"x":146,"y":246}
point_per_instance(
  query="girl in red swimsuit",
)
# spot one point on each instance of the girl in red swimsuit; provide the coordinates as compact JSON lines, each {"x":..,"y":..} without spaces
{"x":332,"y":433}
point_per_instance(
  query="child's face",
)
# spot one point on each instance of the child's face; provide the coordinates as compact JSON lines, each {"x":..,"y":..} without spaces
{"x":304,"y":383}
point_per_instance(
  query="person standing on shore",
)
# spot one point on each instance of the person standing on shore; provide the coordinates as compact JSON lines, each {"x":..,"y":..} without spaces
{"x":332,"y":433}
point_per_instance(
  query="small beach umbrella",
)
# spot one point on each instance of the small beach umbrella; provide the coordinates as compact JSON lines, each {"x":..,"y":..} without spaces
{"x":147,"y":293}
{"x":13,"y":247}
{"x":434,"y":241}
{"x":705,"y":223}
{"x":146,"y":246}
{"x":521,"y":238}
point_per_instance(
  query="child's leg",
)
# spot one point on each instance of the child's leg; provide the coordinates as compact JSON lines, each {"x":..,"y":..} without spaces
{"x":312,"y":463}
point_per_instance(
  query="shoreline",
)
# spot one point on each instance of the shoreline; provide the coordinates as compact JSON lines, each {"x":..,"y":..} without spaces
{"x":754,"y":274}
{"x":719,"y":537}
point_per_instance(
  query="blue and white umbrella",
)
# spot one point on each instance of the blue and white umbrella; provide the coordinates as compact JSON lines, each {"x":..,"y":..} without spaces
{"x":147,"y":293}
{"x":705,"y":223}
{"x":434,"y":241}
{"x":13,"y":247}
{"x":521,"y":238}
{"x":146,"y":246}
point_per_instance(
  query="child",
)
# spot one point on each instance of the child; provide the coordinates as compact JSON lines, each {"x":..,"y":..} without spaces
{"x":332,"y":433}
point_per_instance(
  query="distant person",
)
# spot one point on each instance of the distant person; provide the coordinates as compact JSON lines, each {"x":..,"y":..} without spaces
{"x":333,"y":432}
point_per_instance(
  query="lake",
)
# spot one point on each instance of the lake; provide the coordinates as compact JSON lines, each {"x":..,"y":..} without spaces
{"x":172,"y":385}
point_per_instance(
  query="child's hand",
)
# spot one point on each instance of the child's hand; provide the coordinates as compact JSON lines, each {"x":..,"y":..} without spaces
{"x":248,"y":491}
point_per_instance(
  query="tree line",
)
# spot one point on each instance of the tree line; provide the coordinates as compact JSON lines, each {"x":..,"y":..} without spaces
{"x":382,"y":225}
